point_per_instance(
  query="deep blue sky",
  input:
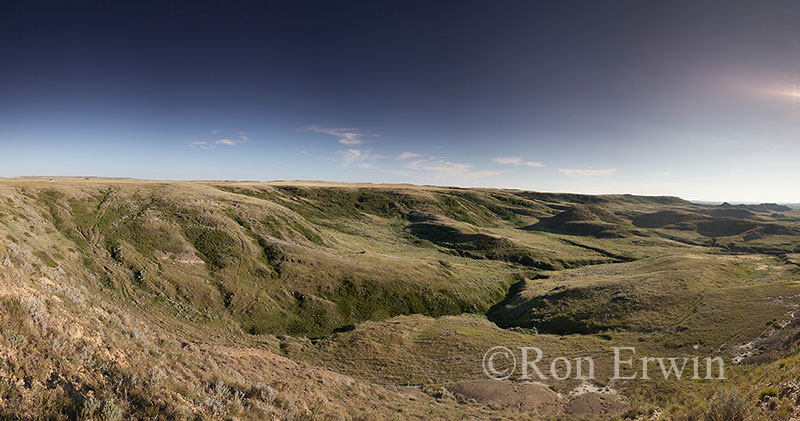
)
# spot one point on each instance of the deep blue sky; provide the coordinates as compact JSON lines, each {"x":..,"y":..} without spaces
{"x":696,"y":99}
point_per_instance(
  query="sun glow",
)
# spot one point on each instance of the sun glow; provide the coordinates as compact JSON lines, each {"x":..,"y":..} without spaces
{"x":791,"y":93}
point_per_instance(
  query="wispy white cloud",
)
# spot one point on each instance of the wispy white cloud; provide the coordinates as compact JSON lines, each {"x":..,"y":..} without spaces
{"x":346,"y":136}
{"x":359,"y":158}
{"x":516,"y":161}
{"x":431,"y":167}
{"x":200,"y":144}
{"x":239,"y":138}
{"x":406,"y":155}
{"x":587,"y":173}
{"x":660,"y":174}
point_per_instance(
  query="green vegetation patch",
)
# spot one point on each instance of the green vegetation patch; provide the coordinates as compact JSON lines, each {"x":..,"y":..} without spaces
{"x":217,"y":248}
{"x":46,"y":259}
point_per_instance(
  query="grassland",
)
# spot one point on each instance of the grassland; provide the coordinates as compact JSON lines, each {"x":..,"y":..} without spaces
{"x":307,"y":300}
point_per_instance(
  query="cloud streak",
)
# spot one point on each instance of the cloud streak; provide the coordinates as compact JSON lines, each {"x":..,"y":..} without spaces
{"x":359,"y":158}
{"x":239,"y":138}
{"x":406,"y":155}
{"x":346,"y":136}
{"x":516,"y":161}
{"x":200,"y":144}
{"x":569,"y":172}
{"x":431,"y":167}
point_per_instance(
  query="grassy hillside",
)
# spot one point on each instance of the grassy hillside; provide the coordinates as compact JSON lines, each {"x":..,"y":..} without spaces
{"x":210,"y":300}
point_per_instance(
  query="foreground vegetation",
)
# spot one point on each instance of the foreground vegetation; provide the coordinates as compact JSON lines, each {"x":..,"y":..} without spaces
{"x":130,"y":299}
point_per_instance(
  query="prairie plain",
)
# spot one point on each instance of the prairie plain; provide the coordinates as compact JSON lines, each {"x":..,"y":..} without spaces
{"x":311,"y":300}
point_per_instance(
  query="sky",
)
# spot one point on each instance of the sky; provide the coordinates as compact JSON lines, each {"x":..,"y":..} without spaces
{"x":694,"y":99}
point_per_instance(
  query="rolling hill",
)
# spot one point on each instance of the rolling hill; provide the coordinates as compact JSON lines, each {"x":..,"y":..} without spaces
{"x":294,"y":300}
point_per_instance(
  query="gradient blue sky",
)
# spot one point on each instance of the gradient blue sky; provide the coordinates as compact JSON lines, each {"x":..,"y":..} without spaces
{"x":687,"y":98}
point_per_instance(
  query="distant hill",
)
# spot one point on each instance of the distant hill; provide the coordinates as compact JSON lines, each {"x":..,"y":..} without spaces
{"x":763,"y":207}
{"x":664,"y":218}
{"x":589,"y":220}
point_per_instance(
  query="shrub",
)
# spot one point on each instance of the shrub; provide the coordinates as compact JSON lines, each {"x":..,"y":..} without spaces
{"x":272,"y":252}
{"x":90,"y":407}
{"x":110,"y":411}
{"x":767,"y":392}
{"x":784,"y":409}
{"x":728,"y":405}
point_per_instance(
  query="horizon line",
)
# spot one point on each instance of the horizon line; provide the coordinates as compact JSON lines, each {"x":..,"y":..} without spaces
{"x":94,"y":177}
